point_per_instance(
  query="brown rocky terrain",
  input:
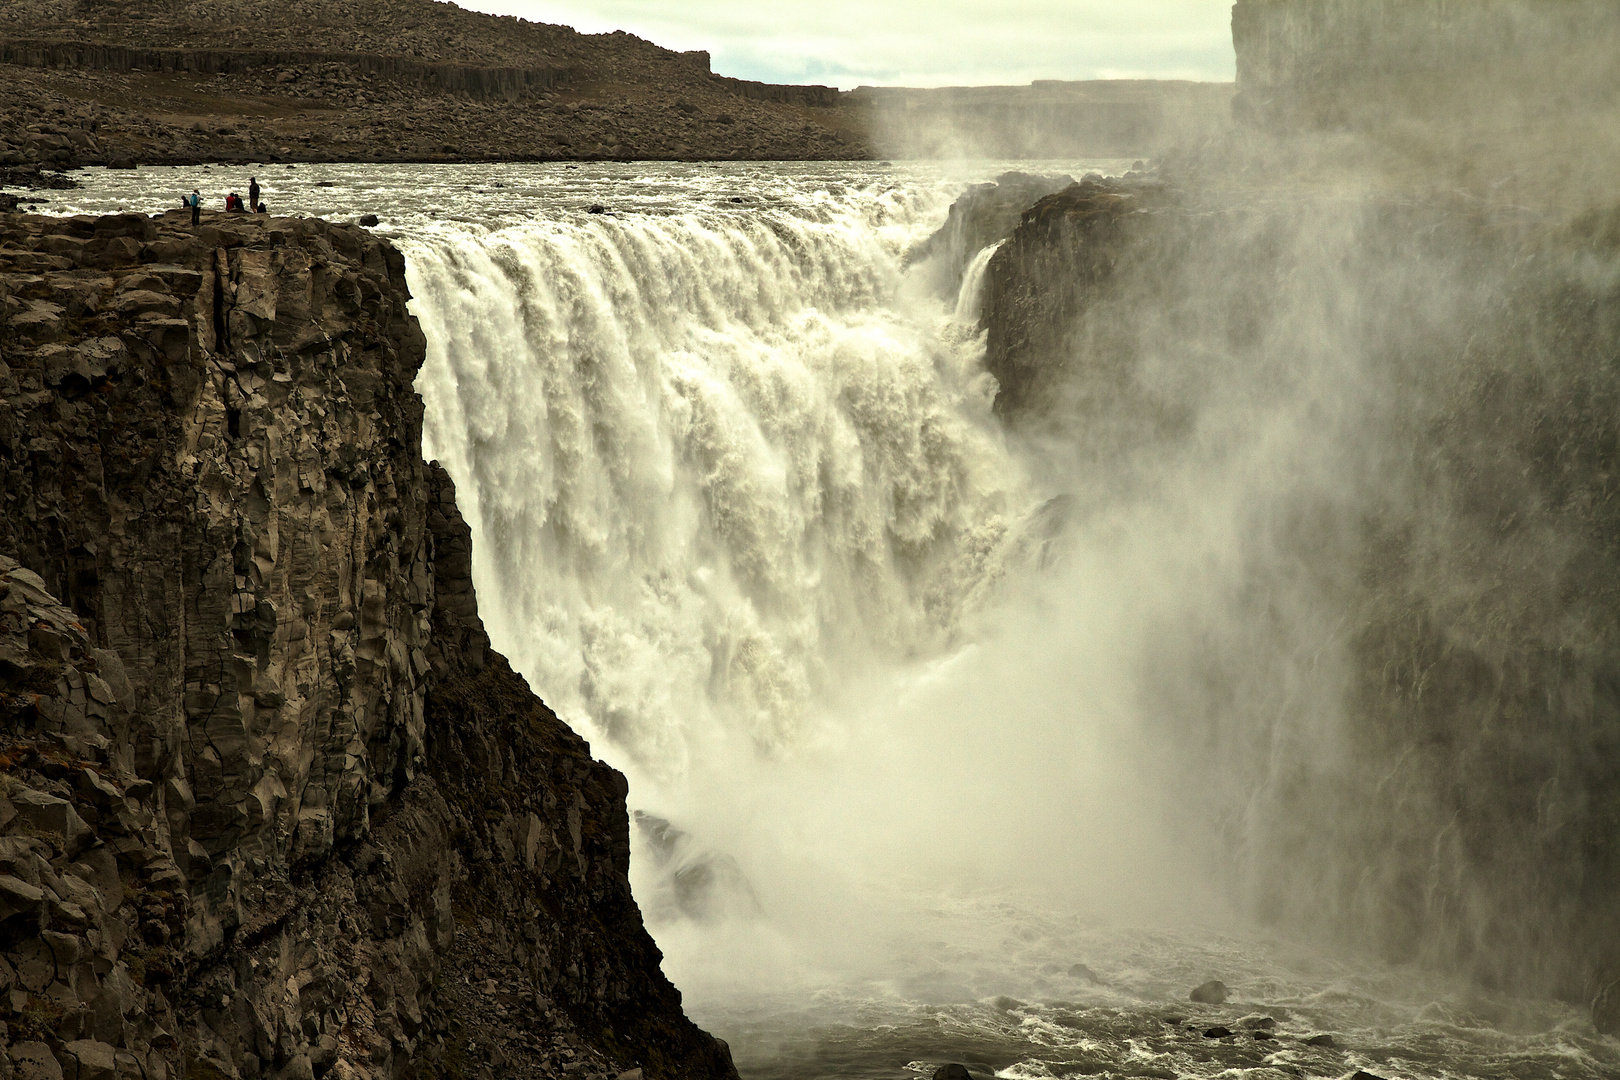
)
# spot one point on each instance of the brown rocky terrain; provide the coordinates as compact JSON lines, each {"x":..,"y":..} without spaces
{"x":183,"y":81}
{"x":269,"y":805}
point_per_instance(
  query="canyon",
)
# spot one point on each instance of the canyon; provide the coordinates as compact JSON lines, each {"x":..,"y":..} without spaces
{"x":272,"y":804}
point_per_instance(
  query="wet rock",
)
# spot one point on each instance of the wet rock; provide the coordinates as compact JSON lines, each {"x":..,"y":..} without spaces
{"x":1324,"y":1041}
{"x":985,"y":214}
{"x":1258,"y":1023}
{"x":1081,"y":971}
{"x":1362,"y":1074}
{"x":1217,"y":1032}
{"x":1044,"y":278}
{"x":1210,"y":993}
{"x":958,"y":1071}
{"x":1606,"y":1009}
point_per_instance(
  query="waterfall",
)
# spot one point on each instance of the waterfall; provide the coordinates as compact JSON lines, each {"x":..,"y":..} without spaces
{"x":717,"y":465}
{"x":742,"y":515}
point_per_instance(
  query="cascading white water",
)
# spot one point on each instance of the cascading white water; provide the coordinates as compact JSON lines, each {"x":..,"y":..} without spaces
{"x":743,"y":516}
{"x":716,"y":464}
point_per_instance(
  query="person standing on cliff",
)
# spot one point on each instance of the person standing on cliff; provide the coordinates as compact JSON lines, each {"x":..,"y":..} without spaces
{"x":195,"y":200}
{"x":253,"y":194}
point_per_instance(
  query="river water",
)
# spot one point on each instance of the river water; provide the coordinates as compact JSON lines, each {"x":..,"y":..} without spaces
{"x":742,"y":515}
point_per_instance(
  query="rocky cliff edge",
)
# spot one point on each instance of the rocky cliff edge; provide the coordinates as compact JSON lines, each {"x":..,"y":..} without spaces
{"x":269,"y":805}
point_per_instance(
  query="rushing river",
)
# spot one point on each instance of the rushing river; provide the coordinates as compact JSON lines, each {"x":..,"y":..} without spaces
{"x":743,"y":516}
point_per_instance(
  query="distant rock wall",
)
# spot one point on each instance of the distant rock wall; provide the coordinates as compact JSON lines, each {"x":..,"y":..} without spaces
{"x":270,"y":806}
{"x":1047,"y":119}
{"x":1337,"y":63}
{"x":481,"y":83}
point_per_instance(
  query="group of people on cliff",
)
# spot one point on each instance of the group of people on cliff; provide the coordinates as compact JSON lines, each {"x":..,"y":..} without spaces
{"x":233,"y":201}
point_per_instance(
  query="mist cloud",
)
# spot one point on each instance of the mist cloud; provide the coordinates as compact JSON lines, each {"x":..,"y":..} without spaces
{"x":916,"y":42}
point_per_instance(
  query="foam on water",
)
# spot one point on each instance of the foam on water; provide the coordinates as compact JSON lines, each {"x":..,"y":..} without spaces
{"x":742,"y":515}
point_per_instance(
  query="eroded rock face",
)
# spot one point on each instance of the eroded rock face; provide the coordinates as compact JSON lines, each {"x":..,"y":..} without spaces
{"x":1056,"y":262}
{"x":1401,"y":408}
{"x":260,"y":761}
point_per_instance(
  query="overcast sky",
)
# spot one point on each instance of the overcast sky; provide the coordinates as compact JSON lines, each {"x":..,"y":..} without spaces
{"x":848,"y":43}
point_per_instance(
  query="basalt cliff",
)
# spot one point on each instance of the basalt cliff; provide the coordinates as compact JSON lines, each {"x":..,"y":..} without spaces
{"x":1392,"y":686}
{"x":1368,"y":345}
{"x":269,"y":804}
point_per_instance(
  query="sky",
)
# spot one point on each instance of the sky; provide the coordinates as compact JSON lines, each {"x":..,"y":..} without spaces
{"x":849,"y":43}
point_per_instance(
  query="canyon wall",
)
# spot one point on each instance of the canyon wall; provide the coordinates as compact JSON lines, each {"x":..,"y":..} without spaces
{"x":89,"y":82}
{"x":1393,"y":686}
{"x":1047,"y":119}
{"x":1368,"y":63}
{"x":271,"y":806}
{"x":478,"y":82}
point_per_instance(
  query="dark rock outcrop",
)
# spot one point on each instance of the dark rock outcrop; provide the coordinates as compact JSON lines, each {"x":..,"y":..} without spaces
{"x":1039,"y":282}
{"x":271,"y":806}
{"x":983,"y":215}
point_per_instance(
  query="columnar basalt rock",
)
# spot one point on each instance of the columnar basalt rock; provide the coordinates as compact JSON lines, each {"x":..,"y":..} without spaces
{"x":263,"y":774}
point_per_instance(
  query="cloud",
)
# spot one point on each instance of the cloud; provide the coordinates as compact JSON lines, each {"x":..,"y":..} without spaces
{"x":919,"y":42}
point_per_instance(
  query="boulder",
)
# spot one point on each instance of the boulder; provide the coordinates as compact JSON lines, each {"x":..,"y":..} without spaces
{"x":17,"y":896}
{"x":48,"y":814}
{"x":1217,"y":1032}
{"x":1324,"y":1041}
{"x":95,"y":1060}
{"x":33,"y":1061}
{"x":1210,"y":993}
{"x":1081,"y":971}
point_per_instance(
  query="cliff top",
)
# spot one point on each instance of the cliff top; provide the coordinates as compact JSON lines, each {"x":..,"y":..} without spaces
{"x":418,"y":29}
